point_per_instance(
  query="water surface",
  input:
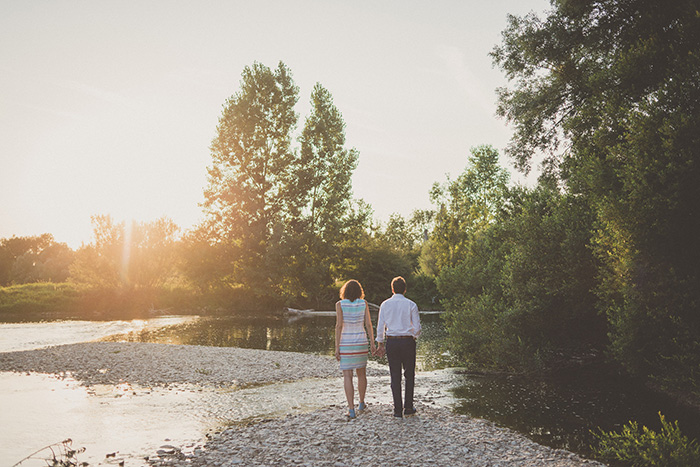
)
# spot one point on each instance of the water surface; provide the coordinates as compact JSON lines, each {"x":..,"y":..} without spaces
{"x":28,"y":336}
{"x":557,"y":411}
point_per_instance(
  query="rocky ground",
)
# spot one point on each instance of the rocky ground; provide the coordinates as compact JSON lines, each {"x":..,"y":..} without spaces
{"x":148,"y":364}
{"x":325,"y":437}
{"x":432,"y":437}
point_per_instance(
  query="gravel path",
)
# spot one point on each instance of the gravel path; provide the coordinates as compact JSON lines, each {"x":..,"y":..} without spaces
{"x":148,"y":364}
{"x":434,"y":437}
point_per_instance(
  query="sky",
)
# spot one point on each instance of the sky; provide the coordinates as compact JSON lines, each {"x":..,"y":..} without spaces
{"x":109,"y":107}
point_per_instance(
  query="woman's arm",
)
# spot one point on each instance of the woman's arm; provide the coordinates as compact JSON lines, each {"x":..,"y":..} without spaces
{"x":370,"y":330}
{"x":338,"y":328}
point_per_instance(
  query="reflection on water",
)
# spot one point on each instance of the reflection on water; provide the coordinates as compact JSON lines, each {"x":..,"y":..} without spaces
{"x":560,"y":411}
{"x":314,"y":334}
{"x":556,"y":411}
{"x":28,"y":336}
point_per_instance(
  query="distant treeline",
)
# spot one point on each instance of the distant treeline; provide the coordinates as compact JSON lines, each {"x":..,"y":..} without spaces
{"x":600,"y":258}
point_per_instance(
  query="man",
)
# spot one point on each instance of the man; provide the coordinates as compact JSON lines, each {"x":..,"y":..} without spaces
{"x":398,"y":327}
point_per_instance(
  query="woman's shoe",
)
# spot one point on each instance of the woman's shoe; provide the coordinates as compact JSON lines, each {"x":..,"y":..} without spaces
{"x":361,"y":407}
{"x":351,"y":414}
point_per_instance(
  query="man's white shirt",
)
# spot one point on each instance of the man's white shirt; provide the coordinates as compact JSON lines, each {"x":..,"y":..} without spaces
{"x":398,"y":316}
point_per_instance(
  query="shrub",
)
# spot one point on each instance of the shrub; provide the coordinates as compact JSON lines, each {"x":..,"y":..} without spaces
{"x":645,"y":447}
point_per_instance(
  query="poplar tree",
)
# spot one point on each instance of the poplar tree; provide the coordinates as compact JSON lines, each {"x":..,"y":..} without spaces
{"x":248,"y":198}
{"x":324,"y":196}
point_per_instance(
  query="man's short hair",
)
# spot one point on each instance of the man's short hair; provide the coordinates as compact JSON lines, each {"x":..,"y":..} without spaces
{"x":398,"y":285}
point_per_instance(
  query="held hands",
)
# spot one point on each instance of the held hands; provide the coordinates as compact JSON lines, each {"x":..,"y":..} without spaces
{"x":379,"y":351}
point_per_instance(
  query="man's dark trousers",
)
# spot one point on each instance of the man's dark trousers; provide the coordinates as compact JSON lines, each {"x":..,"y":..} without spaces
{"x":401,"y":353}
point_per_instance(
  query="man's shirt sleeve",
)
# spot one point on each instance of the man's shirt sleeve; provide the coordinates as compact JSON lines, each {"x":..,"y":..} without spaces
{"x":381,"y":326}
{"x":415,"y":320}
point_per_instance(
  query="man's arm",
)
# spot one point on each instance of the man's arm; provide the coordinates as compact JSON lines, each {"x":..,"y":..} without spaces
{"x":381,"y":333}
{"x":415,"y":320}
{"x":381,"y":327}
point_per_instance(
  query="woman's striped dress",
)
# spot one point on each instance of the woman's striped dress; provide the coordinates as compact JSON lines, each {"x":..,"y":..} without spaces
{"x":353,"y":339}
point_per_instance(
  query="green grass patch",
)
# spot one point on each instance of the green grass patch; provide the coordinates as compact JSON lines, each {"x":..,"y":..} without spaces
{"x":53,"y":301}
{"x":48,"y":301}
{"x":42,"y":298}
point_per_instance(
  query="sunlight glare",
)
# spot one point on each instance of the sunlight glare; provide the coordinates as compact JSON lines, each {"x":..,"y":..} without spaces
{"x":126,"y":251}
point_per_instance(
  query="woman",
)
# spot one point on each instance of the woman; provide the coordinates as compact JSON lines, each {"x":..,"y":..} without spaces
{"x":352,"y":320}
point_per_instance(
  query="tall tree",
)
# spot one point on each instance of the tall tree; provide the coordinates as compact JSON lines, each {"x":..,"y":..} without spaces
{"x":467,"y":205}
{"x":253,"y":166}
{"x":326,"y":169}
{"x":323,"y":207}
{"x":609,"y":92}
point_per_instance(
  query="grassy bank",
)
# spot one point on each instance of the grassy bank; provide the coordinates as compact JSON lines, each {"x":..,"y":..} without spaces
{"x":51,"y":301}
{"x":47,"y":301}
{"x":38,"y":299}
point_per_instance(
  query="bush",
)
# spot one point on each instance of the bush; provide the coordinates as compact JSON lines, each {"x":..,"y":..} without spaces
{"x":521,"y":299}
{"x":19,"y":301}
{"x":645,"y":447}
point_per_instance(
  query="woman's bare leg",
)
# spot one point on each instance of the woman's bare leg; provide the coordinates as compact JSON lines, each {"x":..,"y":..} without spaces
{"x":362,"y":383}
{"x":349,"y":389}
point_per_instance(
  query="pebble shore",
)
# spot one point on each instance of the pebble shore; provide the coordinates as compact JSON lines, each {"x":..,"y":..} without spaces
{"x":324,"y":437}
{"x":432,"y":437}
{"x":147,"y":364}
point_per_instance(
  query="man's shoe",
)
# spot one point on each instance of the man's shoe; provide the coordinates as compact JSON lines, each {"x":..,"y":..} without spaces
{"x":398,"y":415}
{"x":411,"y":411}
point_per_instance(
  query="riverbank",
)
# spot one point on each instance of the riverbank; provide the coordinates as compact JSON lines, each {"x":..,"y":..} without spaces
{"x":147,"y":364}
{"x":326,"y":438}
{"x":320,"y":437}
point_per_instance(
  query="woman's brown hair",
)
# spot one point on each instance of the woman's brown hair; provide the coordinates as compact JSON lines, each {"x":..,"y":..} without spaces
{"x":352,"y":290}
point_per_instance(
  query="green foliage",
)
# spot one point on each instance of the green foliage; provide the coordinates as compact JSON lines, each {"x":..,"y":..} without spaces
{"x":647,"y":242}
{"x":467,"y":205}
{"x":424,"y":291}
{"x":325,"y":170}
{"x":522,"y":300}
{"x":609,"y":93}
{"x":33,"y":259}
{"x":39,"y":301}
{"x":645,"y":447}
{"x":323,"y":215}
{"x":138,"y":255}
{"x":39,"y":298}
{"x":276,"y":215}
{"x":374,"y":265}
{"x":205,"y":264}
{"x":250,"y":182}
{"x":407,"y":234}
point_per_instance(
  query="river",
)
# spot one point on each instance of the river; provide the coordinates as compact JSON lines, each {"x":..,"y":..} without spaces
{"x":557,"y":411}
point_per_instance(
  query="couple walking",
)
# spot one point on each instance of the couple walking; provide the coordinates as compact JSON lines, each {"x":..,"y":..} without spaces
{"x":398,"y":327}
